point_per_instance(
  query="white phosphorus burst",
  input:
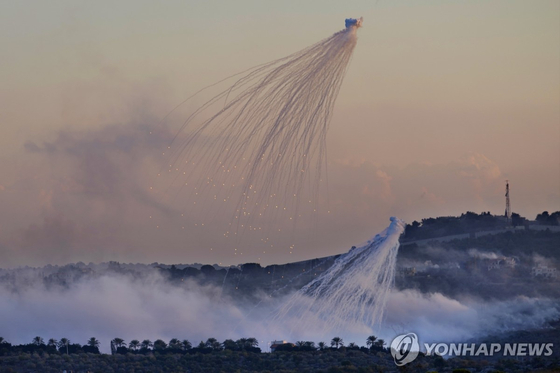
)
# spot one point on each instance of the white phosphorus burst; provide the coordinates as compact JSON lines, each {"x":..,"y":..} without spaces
{"x":352,"y":292}
{"x":262,"y":140}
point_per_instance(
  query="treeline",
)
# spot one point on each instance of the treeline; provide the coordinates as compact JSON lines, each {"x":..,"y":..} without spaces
{"x":471,"y":222}
{"x":177,"y":346}
{"x":52,"y":346}
{"x":373,"y":344}
{"x":344,"y":359}
{"x":548,"y":219}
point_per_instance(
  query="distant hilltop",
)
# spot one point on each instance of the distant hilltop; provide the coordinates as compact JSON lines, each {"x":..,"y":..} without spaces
{"x":473,"y":225}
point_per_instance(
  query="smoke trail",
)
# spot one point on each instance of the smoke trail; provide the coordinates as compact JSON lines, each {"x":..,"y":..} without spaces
{"x":267,"y":142}
{"x":352,"y":292}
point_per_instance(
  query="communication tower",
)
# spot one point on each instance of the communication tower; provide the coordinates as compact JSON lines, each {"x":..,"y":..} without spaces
{"x":508,"y":207}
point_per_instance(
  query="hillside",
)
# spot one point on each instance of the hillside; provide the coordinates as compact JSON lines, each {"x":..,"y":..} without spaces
{"x":509,"y":262}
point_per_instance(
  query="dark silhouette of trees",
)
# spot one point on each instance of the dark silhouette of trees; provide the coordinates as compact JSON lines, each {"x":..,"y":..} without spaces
{"x":146,"y":344}
{"x":370,"y":341}
{"x":337,"y":342}
{"x":93,"y":342}
{"x":229,"y":344}
{"x":548,"y":219}
{"x":33,"y":358}
{"x":242,"y":344}
{"x":248,"y":344}
{"x":118,"y":346}
{"x":91,"y":346}
{"x":134,"y":345}
{"x":252,"y":342}
{"x":175,"y":344}
{"x":64,"y":344}
{"x":468,"y":222}
{"x":118,"y":342}
{"x":186,"y":345}
{"x":159,"y":345}
{"x":517,"y":220}
{"x":305,"y":346}
{"x":213,"y":344}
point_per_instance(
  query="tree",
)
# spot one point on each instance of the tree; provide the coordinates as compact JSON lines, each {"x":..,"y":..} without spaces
{"x":3,"y":340}
{"x":118,"y":342}
{"x":517,"y":219}
{"x":548,"y":219}
{"x":542,"y":218}
{"x":337,"y":342}
{"x":37,"y":341}
{"x":380,"y":343}
{"x":186,"y":345}
{"x":306,"y":345}
{"x":64,"y":342}
{"x":174,"y":344}
{"x":241,"y":343}
{"x":160,"y":345}
{"x":309,"y":346}
{"x":322,"y":345}
{"x":134,"y":344}
{"x":352,"y":345}
{"x":213,"y":344}
{"x":247,"y":343}
{"x":252,"y":342}
{"x":146,"y":343}
{"x":370,"y":340}
{"x":230,"y":344}
{"x":92,"y":346}
{"x":93,"y":342}
{"x":52,"y":342}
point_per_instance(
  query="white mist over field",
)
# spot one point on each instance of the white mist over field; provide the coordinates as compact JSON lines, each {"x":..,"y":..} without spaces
{"x":117,"y":306}
{"x":437,"y":318}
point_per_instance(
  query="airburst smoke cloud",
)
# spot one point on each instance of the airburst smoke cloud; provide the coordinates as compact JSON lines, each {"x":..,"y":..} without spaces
{"x":261,"y":141}
{"x":353,"y":292}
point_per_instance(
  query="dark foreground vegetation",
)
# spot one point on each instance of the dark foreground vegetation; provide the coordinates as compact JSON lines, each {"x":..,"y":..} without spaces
{"x":242,"y":355}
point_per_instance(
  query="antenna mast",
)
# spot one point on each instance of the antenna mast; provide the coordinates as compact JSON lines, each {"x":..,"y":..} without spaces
{"x":508,"y":207}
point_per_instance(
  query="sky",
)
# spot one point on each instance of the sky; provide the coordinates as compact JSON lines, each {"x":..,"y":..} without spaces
{"x":443,"y":101}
